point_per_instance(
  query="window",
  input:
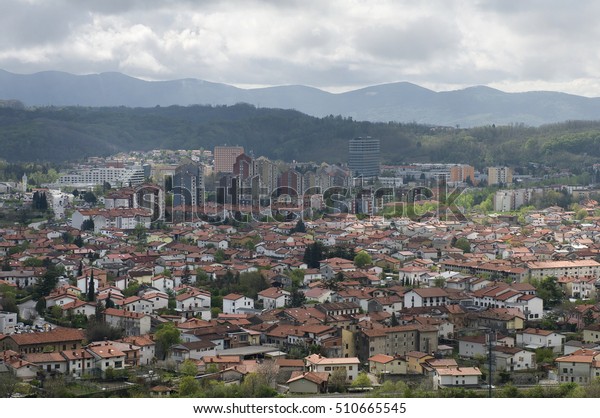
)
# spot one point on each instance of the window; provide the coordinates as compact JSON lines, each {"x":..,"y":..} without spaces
{"x":327,"y":369}
{"x":349,"y":367}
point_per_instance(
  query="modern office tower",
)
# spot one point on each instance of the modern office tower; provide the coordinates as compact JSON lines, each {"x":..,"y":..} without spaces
{"x":500,"y":175}
{"x":187,"y":185}
{"x":364,"y":156}
{"x":225,"y":158}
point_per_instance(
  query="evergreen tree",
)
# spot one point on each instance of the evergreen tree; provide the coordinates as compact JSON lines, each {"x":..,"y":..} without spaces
{"x":91,"y":296}
{"x":78,"y":241}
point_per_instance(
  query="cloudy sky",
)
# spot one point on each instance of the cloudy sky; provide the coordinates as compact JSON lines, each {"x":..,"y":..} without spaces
{"x":336,"y":45}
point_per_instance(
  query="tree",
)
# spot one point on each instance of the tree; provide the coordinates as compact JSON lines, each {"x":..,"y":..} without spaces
{"x":188,"y":386}
{"x":97,"y":330}
{"x":463,"y":244}
{"x":549,"y":290}
{"x":362,"y":259}
{"x":219,"y":255}
{"x":337,"y":380}
{"x":78,"y":241}
{"x":297,"y":298}
{"x":188,"y":368}
{"x":91,"y":293}
{"x":166,"y":336}
{"x":439,"y":282}
{"x":90,"y":197}
{"x":300,"y":227}
{"x":88,"y":225}
{"x":362,"y":381}
{"x":8,"y":384}
{"x":588,"y":318}
{"x":313,"y":254}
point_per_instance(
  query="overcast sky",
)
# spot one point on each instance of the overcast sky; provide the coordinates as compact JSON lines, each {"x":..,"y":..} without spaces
{"x":336,"y":45}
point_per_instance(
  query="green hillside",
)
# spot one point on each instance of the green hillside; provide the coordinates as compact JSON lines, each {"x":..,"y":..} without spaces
{"x":55,"y":134}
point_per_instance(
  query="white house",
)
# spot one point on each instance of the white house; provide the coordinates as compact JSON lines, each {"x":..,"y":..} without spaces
{"x":194,"y":302}
{"x":274,"y":297}
{"x":429,"y":296}
{"x":233,"y":302}
{"x":318,"y":363}
{"x":132,"y":323}
{"x":538,"y":338}
{"x":456,"y":377}
{"x":8,"y":320}
{"x":106,"y":356}
{"x":513,"y":358}
{"x":163,"y":283}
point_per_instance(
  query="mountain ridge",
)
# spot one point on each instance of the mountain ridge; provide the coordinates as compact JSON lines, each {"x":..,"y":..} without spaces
{"x":400,"y":101}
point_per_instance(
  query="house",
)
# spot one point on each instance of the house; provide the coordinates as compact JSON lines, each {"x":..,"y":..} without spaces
{"x":234,"y":303}
{"x":147,"y":348}
{"x":308,"y":382}
{"x":39,"y":342}
{"x":513,"y":358}
{"x":318,"y":363}
{"x":384,"y":364}
{"x":49,"y":362}
{"x":106,"y":356}
{"x":471,"y":346}
{"x":8,"y":320}
{"x":163,"y":283}
{"x":456,"y":377}
{"x":580,"y":366}
{"x":591,"y":334}
{"x":430,"y":296}
{"x":416,"y":360}
{"x":194,"y":302}
{"x":79,"y":307}
{"x":501,"y":319}
{"x":274,"y":297}
{"x":21,"y":368}
{"x":534,"y":338}
{"x":79,"y":361}
{"x":318,"y":294}
{"x":131,"y":323}
{"x":194,"y":350}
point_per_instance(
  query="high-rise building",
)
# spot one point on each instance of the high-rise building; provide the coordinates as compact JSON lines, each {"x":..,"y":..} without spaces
{"x":460,"y":173}
{"x":187,"y":185}
{"x":290,"y":183}
{"x":267,"y":172}
{"x":225,"y":158}
{"x":243,"y":167}
{"x":500,"y":175}
{"x":364,"y":156}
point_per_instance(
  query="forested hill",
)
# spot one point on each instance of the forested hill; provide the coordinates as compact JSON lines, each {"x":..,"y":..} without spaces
{"x":72,"y":133}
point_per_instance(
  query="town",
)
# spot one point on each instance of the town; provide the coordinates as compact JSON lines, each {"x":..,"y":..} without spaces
{"x":217,"y":273}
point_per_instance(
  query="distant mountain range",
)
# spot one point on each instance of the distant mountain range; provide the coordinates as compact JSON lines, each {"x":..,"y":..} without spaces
{"x":398,"y":102}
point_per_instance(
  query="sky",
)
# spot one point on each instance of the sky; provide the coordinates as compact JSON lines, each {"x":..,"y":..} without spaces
{"x":334,"y":45}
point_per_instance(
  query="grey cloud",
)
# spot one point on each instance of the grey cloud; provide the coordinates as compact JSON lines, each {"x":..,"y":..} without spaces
{"x":422,"y":40}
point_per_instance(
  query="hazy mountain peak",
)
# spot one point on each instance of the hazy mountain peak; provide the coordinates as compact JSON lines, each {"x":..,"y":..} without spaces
{"x":399,"y":101}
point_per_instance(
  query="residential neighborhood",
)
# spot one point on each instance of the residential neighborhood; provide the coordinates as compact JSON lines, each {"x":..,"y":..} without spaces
{"x":338,"y":301}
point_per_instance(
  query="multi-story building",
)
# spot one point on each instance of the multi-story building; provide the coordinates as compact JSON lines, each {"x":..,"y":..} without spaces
{"x":225,"y":158}
{"x":364,"y":157}
{"x":188,"y":185}
{"x":571,"y":268}
{"x":462,"y":173}
{"x":500,"y":175}
{"x":8,"y":321}
{"x":117,"y":175}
